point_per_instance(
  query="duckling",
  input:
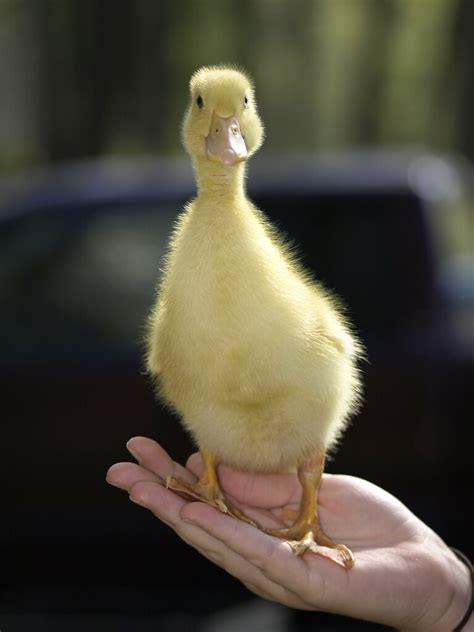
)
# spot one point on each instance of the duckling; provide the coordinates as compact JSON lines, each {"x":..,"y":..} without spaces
{"x":253,"y":354}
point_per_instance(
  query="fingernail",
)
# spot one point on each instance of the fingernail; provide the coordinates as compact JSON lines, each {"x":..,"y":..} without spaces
{"x":137,"y":501}
{"x":133,"y":452}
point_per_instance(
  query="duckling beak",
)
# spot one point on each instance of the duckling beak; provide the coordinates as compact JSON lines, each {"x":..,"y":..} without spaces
{"x":225,"y":142}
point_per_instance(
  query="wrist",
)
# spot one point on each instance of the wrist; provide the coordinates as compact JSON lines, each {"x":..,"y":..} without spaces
{"x":467,"y":621}
{"x":469,"y":626}
{"x":447,"y":591}
{"x":459,"y":582}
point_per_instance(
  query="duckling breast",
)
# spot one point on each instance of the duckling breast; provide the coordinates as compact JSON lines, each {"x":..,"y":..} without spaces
{"x":244,"y":347}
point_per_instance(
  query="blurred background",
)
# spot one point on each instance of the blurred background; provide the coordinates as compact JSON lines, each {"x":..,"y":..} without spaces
{"x":369,"y":113}
{"x":96,"y":78}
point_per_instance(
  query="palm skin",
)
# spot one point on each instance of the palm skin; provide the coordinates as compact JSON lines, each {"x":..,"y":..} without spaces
{"x":404,"y":574}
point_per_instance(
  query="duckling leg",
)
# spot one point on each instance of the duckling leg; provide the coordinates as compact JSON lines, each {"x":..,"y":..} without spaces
{"x":306,"y":533}
{"x":207,"y":489}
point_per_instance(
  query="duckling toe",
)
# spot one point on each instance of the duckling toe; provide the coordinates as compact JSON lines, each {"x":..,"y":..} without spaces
{"x":338,"y":553}
{"x":235,"y":512}
{"x":198,"y":491}
{"x":208,"y":493}
{"x":302,"y":539}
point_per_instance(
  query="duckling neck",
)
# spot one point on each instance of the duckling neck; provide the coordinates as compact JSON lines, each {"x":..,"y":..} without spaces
{"x":220,"y":181}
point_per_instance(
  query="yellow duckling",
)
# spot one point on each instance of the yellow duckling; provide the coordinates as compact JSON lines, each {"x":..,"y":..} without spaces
{"x":251,"y":352}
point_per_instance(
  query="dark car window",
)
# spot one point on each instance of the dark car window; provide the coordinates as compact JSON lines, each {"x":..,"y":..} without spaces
{"x":81,"y":279}
{"x":84,"y":279}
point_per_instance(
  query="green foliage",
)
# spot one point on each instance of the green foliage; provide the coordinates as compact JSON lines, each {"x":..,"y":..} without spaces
{"x":93,"y":77}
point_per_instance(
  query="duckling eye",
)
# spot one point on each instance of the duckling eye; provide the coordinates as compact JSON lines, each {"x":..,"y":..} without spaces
{"x":199,"y":101}
{"x":246,"y":102}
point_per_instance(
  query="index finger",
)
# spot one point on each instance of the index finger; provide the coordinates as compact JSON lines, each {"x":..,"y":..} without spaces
{"x":152,"y":456}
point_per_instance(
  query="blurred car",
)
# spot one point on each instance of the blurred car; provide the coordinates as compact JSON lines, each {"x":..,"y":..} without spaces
{"x":80,"y":251}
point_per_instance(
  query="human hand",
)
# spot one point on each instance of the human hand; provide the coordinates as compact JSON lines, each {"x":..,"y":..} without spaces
{"x":404,"y":575}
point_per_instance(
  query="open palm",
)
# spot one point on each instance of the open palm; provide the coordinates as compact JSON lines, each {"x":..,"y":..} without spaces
{"x":401,"y":575}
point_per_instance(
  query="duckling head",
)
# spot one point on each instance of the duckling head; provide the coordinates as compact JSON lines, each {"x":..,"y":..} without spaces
{"x":221,"y":124}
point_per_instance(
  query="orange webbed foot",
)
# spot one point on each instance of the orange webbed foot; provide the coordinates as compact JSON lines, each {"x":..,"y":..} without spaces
{"x":306,"y":533}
